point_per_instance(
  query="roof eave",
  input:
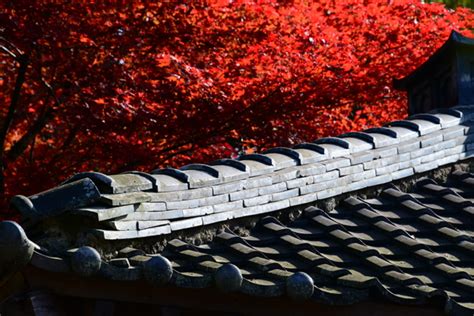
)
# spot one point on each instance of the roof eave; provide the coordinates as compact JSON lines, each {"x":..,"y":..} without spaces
{"x":454,"y":41}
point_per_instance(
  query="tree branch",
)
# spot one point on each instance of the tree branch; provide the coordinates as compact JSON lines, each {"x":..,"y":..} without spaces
{"x":20,"y":146}
{"x":20,"y":79}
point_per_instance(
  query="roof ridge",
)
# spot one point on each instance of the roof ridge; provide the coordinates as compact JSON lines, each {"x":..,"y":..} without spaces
{"x":138,"y":204}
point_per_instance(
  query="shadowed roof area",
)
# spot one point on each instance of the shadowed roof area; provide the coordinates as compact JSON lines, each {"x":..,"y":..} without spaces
{"x":407,"y":248}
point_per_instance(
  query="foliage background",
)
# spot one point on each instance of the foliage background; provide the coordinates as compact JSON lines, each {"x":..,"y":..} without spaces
{"x":456,"y":3}
{"x":115,"y":87}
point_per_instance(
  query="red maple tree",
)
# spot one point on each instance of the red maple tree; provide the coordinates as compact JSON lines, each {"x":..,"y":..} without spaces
{"x":114,"y":87}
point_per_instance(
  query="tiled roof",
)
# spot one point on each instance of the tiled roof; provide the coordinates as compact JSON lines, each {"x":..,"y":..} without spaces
{"x":455,"y":40}
{"x":404,"y":247}
{"x":137,"y":204}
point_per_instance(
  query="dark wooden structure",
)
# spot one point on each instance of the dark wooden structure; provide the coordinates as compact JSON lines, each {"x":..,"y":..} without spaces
{"x":444,"y":80}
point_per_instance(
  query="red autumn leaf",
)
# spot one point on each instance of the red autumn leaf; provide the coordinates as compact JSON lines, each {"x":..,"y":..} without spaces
{"x":140,"y":86}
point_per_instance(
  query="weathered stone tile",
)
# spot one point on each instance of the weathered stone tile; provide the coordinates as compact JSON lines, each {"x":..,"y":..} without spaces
{"x":362,"y":175}
{"x":130,"y":234}
{"x":135,"y":225}
{"x":420,"y":125}
{"x":244,"y":194}
{"x":357,"y":185}
{"x":154,"y":216}
{"x":303,"y":199}
{"x":199,"y":211}
{"x":151,"y":207}
{"x":361,"y":157}
{"x":431,"y":139}
{"x":334,"y":151}
{"x":401,"y":158}
{"x":58,"y":200}
{"x":262,"y":199}
{"x":125,"y":198}
{"x":404,"y":173}
{"x":448,"y":159}
{"x":409,"y":146}
{"x":186,"y":223}
{"x":257,"y":167}
{"x":128,"y":182}
{"x":445,"y":145}
{"x":123,"y":225}
{"x":285,"y":174}
{"x":310,"y":156}
{"x":336,"y":163}
{"x":187,"y":194}
{"x":312,"y":169}
{"x":387,"y":169}
{"x":278,"y":187}
{"x":363,"y":136}
{"x":377,"y":163}
{"x":414,"y":162}
{"x":447,"y":120}
{"x":299,"y":182}
{"x":228,"y":187}
{"x":378,"y":180}
{"x":224,"y":207}
{"x":330,"y":193}
{"x":256,"y":182}
{"x":453,"y":132}
{"x":432,"y":157}
{"x":262,"y":209}
{"x":421,"y":152}
{"x":454,"y":150}
{"x":154,"y":231}
{"x":334,"y":174}
{"x":149,"y":224}
{"x":357,"y":144}
{"x":409,"y":163}
{"x":403,"y":133}
{"x":176,"y":205}
{"x":285,"y":195}
{"x":315,"y":187}
{"x":218,"y":217}
{"x":339,"y":182}
{"x":338,"y":141}
{"x":217,"y":199}
{"x":102,"y":214}
{"x":230,"y":173}
{"x":385,"y":152}
{"x":351,"y":169}
{"x":166,"y":183}
{"x":201,"y":175}
{"x":382,"y":137}
{"x":282,"y":161}
{"x":425,"y":167}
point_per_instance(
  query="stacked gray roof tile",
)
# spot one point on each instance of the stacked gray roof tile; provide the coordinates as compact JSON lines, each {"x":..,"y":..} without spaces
{"x":405,"y":247}
{"x":138,"y":204}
